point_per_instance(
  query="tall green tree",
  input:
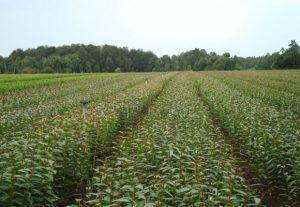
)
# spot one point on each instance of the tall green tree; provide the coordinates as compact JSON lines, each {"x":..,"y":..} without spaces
{"x":79,"y":58}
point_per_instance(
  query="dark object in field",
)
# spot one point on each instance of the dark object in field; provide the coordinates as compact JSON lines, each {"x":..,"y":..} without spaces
{"x":84,"y":102}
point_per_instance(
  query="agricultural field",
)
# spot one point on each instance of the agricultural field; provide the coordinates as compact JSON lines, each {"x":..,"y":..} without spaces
{"x":150,"y":139}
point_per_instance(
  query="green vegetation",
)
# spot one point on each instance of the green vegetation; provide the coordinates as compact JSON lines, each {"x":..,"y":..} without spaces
{"x":9,"y":83}
{"x":175,"y":157}
{"x":150,"y":139}
{"x":95,"y":59}
{"x":56,"y":153}
{"x":265,"y":121}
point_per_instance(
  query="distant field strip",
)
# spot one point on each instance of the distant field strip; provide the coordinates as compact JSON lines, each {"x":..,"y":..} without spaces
{"x":9,"y":83}
{"x":150,"y":139}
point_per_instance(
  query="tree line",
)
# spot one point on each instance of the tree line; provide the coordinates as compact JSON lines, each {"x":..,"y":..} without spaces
{"x":79,"y":58}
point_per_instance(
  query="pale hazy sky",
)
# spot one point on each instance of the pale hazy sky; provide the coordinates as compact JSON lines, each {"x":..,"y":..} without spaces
{"x":242,"y":27}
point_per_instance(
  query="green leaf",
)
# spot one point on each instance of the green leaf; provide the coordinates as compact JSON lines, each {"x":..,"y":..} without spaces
{"x":182,"y":190}
{"x":149,"y":205}
{"x":122,"y":200}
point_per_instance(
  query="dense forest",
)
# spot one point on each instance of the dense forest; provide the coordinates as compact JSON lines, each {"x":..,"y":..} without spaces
{"x":78,"y":58}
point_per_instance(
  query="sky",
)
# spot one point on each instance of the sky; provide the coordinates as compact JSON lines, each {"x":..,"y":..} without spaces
{"x":241,"y":27}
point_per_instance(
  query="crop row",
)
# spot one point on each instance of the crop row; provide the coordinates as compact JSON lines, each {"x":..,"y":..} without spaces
{"x":19,"y":111}
{"x":67,"y":91}
{"x":285,"y":99}
{"x":175,"y":157}
{"x":47,"y":162}
{"x":270,"y":136}
{"x":267,"y":78}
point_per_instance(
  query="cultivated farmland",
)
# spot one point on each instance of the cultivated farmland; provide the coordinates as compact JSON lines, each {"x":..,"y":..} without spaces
{"x":150,"y":139}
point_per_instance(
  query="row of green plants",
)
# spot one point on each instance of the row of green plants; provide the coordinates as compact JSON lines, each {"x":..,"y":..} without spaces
{"x":34,"y":97}
{"x":17,"y":122}
{"x":46,"y":161}
{"x":284,"y":81}
{"x":60,"y":94}
{"x":20,"y":109}
{"x":285,"y":99}
{"x":174,"y":157}
{"x":264,"y":77}
{"x":287,"y":84}
{"x":270,"y":136}
{"x":13,"y":84}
